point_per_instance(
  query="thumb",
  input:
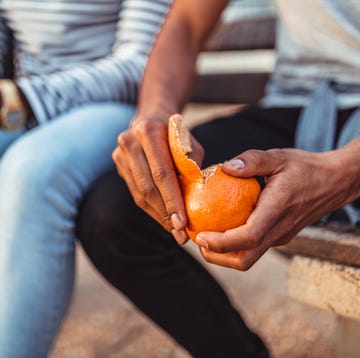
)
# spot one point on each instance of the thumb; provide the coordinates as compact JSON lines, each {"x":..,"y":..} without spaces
{"x":255,"y":163}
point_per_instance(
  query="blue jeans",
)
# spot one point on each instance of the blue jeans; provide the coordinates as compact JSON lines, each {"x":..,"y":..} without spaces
{"x":44,"y":174}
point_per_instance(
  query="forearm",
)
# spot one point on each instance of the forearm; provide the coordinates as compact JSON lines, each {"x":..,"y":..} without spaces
{"x":169,"y":76}
{"x":109,"y":79}
{"x":171,"y":71}
{"x":347,"y":160}
{"x":114,"y":77}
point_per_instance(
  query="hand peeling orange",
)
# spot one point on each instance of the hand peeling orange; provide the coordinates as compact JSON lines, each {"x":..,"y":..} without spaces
{"x":214,"y":201}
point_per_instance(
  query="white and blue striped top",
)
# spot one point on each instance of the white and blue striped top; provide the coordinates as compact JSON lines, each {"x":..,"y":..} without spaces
{"x":72,"y":52}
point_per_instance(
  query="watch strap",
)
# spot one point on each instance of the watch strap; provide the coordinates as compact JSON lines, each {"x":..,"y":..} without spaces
{"x":13,"y":114}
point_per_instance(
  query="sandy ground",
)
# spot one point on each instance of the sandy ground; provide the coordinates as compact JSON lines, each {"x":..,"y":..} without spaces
{"x":102,"y":323}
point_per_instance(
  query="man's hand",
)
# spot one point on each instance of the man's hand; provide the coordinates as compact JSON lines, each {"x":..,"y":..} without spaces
{"x":142,"y":157}
{"x":144,"y":161}
{"x":300,"y":188}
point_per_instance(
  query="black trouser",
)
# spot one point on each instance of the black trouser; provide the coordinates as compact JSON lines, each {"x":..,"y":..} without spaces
{"x":144,"y":262}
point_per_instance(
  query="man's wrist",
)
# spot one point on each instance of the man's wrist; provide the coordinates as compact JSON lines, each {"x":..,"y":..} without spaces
{"x":347,"y":161}
{"x":345,"y":173}
{"x":160,"y":114}
{"x":159,"y":117}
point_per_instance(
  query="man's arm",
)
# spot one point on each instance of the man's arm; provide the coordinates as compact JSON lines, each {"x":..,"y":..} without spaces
{"x":301,"y":187}
{"x":142,"y":156}
{"x":170,"y":74}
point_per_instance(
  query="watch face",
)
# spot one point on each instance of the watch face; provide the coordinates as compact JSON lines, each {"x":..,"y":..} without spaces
{"x":14,"y":120}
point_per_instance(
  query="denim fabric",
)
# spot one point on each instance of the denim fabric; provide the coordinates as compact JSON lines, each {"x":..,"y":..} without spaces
{"x":44,"y":174}
{"x":317,"y":126}
{"x":6,"y":138}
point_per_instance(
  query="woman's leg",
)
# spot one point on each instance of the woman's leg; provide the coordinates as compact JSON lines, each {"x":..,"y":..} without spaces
{"x":144,"y":262}
{"x":7,"y":138}
{"x":43,"y":177}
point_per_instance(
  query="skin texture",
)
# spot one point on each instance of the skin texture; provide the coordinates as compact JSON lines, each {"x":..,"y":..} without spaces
{"x":300,"y":187}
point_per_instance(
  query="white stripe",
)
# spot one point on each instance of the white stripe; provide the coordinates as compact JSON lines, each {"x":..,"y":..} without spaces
{"x":78,"y":51}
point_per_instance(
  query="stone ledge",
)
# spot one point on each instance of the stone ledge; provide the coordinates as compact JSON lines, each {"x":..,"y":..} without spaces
{"x":329,"y":286}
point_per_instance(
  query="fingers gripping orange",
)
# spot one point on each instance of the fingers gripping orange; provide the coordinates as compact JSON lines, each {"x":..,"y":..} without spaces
{"x":214,"y":201}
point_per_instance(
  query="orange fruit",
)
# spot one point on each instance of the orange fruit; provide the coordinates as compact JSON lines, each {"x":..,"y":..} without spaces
{"x":214,"y":201}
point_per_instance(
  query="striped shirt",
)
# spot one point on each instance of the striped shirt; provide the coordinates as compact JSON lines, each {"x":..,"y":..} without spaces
{"x":72,"y":52}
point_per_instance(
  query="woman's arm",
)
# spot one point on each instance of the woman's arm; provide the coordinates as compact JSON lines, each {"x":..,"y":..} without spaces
{"x":113,"y":78}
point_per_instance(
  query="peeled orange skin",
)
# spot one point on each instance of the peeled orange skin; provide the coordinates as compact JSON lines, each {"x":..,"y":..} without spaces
{"x":214,"y":200}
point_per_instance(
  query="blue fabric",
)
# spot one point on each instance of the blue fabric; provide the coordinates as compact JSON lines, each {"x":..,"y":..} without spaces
{"x":44,"y":174}
{"x":316,"y":129}
{"x":313,"y":133}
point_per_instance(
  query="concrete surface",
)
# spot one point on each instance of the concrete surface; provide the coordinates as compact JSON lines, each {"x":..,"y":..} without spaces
{"x":102,"y":323}
{"x":326,"y":285}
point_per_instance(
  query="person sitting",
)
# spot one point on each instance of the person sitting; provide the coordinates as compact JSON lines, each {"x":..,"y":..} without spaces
{"x":77,"y":66}
{"x":302,"y":138}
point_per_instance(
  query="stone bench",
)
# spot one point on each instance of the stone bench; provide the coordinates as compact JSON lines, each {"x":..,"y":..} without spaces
{"x":324,"y":272}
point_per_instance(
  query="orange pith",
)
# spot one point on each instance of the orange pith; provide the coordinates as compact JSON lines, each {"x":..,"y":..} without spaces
{"x":214,"y":201}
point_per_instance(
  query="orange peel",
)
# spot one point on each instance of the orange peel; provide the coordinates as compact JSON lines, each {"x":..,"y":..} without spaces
{"x":214,"y":200}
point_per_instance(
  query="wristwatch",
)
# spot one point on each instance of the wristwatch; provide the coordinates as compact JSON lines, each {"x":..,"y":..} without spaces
{"x":13,"y":112}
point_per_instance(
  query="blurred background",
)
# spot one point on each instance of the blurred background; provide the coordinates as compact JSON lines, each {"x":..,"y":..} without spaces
{"x":102,"y":323}
{"x":239,"y":9}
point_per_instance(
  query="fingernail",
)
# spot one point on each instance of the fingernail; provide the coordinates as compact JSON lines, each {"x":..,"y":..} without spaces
{"x":180,"y":236}
{"x":177,"y":221}
{"x":235,"y":164}
{"x":202,"y":242}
